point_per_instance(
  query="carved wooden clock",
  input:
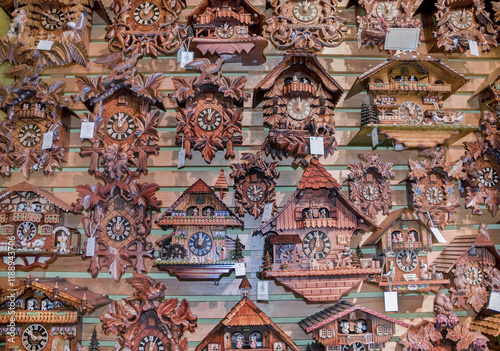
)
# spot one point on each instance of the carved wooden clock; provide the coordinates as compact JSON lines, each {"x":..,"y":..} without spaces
{"x":304,"y":24}
{"x":48,"y":313}
{"x":147,"y":27}
{"x":369,"y":185}
{"x":210,"y":110}
{"x":299,"y":97}
{"x":158,"y":324}
{"x":228,"y":29}
{"x":254,"y":183}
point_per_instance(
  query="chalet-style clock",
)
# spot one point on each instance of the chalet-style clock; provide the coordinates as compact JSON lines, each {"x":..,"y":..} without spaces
{"x":228,"y":29}
{"x":299,"y":97}
{"x":158,"y":323}
{"x":48,"y":313}
{"x":210,"y":110}
{"x":254,"y":184}
{"x":369,"y":185}
{"x":304,"y":24}
{"x":147,"y":27}
{"x":50,"y":33}
{"x":405,"y":241}
{"x":406,"y":102}
{"x":349,"y":327}
{"x":199,"y":247}
{"x":311,"y":239}
{"x":121,"y":116}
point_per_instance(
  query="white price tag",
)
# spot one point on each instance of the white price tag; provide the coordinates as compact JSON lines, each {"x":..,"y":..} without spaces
{"x":90,"y":247}
{"x":44,"y":45}
{"x":87,"y":130}
{"x":263,"y":290}
{"x":474,"y":50}
{"x":391,"y":301}
{"x":179,"y":54}
{"x":358,"y":38}
{"x":375,"y":137}
{"x":186,"y":57}
{"x":268,"y":211}
{"x":316,"y":146}
{"x":181,"y":159}
{"x":437,"y":234}
{"x":47,"y":140}
{"x":239,"y":269}
{"x":398,"y":147}
{"x":494,"y":303}
{"x":436,"y":106}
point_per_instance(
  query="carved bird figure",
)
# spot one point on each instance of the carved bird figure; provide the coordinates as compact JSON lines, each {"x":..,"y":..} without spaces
{"x":146,"y":288}
{"x":206,"y":67}
{"x":117,"y":60}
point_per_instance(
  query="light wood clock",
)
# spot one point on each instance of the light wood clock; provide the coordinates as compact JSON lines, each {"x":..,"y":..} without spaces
{"x":254,"y":183}
{"x":298,"y":97}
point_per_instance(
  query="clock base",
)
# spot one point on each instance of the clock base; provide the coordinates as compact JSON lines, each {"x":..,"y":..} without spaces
{"x":197,"y":271}
{"x":423,"y":286}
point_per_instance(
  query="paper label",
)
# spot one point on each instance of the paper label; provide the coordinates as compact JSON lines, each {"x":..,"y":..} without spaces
{"x":494,"y":303}
{"x":87,"y":130}
{"x":263,"y":290}
{"x":474,"y":50}
{"x":179,"y":54}
{"x":437,"y":234}
{"x":186,"y":57}
{"x":398,"y":147}
{"x":268,"y":211}
{"x":402,"y":39}
{"x":181,"y":159}
{"x":358,"y":38}
{"x":374,"y":137}
{"x":391,"y":301}
{"x":44,"y":45}
{"x":47,"y":140}
{"x":90,"y":247}
{"x":316,"y":146}
{"x":239,"y":269}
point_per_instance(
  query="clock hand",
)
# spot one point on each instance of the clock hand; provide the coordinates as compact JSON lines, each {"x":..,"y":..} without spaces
{"x":147,"y":7}
{"x":28,"y":134}
{"x":151,"y":346}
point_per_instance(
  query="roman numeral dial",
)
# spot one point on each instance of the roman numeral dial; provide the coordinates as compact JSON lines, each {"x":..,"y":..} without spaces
{"x":120,"y":126}
{"x":316,"y":245}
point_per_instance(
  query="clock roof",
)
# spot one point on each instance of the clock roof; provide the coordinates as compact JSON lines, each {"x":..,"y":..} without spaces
{"x":256,"y":15}
{"x":487,"y":322}
{"x":489,"y":81}
{"x":24,"y":186}
{"x":246,"y":313}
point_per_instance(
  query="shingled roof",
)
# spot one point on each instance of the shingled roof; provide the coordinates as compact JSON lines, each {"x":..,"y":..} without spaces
{"x":247,"y":5}
{"x":492,"y":77}
{"x":24,"y":186}
{"x":487,"y":322}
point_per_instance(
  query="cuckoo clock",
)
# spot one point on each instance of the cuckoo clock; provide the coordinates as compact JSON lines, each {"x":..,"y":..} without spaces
{"x":376,"y":16}
{"x":369,"y":185}
{"x":489,"y":92}
{"x":229,"y":29}
{"x":254,"y":184}
{"x":299,"y":98}
{"x":449,"y":25}
{"x":472,"y":263}
{"x":50,"y":33}
{"x":305,"y":24}
{"x":311,"y":239}
{"x":405,"y":242}
{"x":198,"y":247}
{"x":34,"y":135}
{"x":121,"y":111}
{"x":118,"y":216}
{"x":210,"y":110}
{"x":48,"y":314}
{"x":147,"y":27}
{"x":349,"y":327}
{"x":406,"y":102}
{"x":32,"y":226}
{"x":157,"y":324}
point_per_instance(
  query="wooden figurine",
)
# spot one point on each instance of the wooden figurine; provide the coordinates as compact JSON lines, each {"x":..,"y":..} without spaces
{"x":199,"y":247}
{"x":349,"y":327}
{"x":34,"y":135}
{"x":32,"y":227}
{"x":310,"y":25}
{"x":472,"y":263}
{"x":406,"y":102}
{"x":147,"y":320}
{"x":299,"y":98}
{"x":369,"y":185}
{"x":48,"y":314}
{"x":405,"y":241}
{"x":489,"y":93}
{"x":50,"y":33}
{"x":311,"y":239}
{"x":121,"y":111}
{"x":254,"y":184}
{"x":228,"y":29}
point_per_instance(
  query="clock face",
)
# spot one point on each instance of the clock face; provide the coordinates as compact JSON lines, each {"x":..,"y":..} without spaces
{"x":434,"y":195}
{"x":200,"y":244}
{"x":255,"y":193}
{"x":151,"y":343}
{"x":474,"y":275}
{"x":118,"y":228}
{"x":26,"y":230}
{"x":387,"y":10}
{"x":298,"y":108}
{"x":225,"y":31}
{"x":209,"y":119}
{"x":30,"y":135}
{"x":35,"y":337}
{"x":488,"y":176}
{"x":357,"y":346}
{"x":305,"y":11}
{"x":370,"y":192}
{"x":316,"y":245}
{"x":146,"y":13}
{"x":120,"y":126}
{"x":407,"y":260}
{"x":411,"y":113}
{"x":53,"y":19}
{"x":461,"y":19}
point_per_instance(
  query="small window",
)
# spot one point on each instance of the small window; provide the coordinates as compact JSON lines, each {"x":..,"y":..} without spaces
{"x":255,"y":340}
{"x":324,"y":213}
{"x":412,"y":236}
{"x":22,"y":207}
{"x":307,"y":213}
{"x":344,"y":327}
{"x":208,"y":211}
{"x":193,"y":211}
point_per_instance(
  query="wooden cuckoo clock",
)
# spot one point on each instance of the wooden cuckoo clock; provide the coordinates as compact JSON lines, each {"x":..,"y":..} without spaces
{"x":254,"y":184}
{"x":349,"y":327}
{"x":405,"y":242}
{"x":50,"y":33}
{"x":299,"y":98}
{"x":489,"y":92}
{"x":157,"y":324}
{"x":122,"y":117}
{"x":304,"y":24}
{"x":406,"y":102}
{"x":311,"y":239}
{"x":118,"y":218}
{"x":369,"y":185}
{"x":145,"y":27}
{"x":48,"y":314}
{"x":229,"y":29}
{"x":199,"y":247}
{"x":32,"y":226}
{"x":210,"y":110}
{"x":34,"y":135}
{"x":449,"y":25}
